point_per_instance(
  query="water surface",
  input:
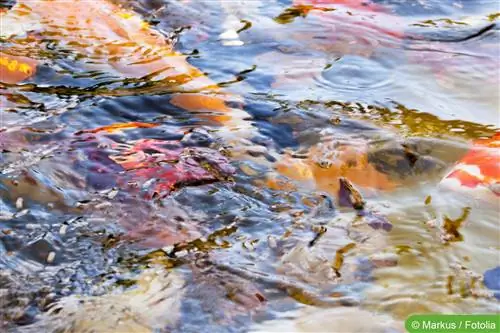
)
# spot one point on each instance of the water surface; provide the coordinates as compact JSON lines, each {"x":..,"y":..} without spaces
{"x":420,"y":74}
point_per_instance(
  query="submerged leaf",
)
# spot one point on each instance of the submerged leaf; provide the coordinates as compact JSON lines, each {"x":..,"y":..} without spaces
{"x":451,"y":226}
{"x":339,"y":257}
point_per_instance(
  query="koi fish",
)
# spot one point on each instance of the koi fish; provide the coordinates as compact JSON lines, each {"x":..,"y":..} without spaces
{"x":364,"y":162}
{"x":469,"y":191}
{"x":332,"y":27}
{"x":358,"y":14}
{"x":477,"y":174}
{"x":170,"y":165}
{"x":112,"y":39}
{"x":103,"y":32}
{"x":328,"y":161}
{"x":15,"y":69}
{"x":354,"y":4}
{"x":93,"y":159}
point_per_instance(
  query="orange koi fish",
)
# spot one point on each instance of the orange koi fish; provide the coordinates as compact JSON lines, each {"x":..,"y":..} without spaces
{"x":477,"y":174}
{"x":327,"y":162}
{"x":108,"y":38}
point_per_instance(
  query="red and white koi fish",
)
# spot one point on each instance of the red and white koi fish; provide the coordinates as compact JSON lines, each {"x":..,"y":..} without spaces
{"x":470,"y":191}
{"x":477,"y":174}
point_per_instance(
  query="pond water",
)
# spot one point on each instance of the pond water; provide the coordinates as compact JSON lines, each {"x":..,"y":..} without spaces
{"x":122,"y":211}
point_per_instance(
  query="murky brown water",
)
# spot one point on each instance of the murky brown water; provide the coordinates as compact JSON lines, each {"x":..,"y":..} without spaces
{"x":122,"y":211}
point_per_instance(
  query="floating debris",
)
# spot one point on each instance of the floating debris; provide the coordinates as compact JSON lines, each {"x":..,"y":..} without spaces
{"x":51,"y":257}
{"x":103,"y":205}
{"x":466,"y":282}
{"x":349,"y":196}
{"x":19,"y":203}
{"x":339,"y":257}
{"x":118,"y":127}
{"x":203,"y":244}
{"x":112,"y":194}
{"x":451,"y":227}
{"x":320,"y":231}
{"x":63,"y":229}
{"x":272,"y":242}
